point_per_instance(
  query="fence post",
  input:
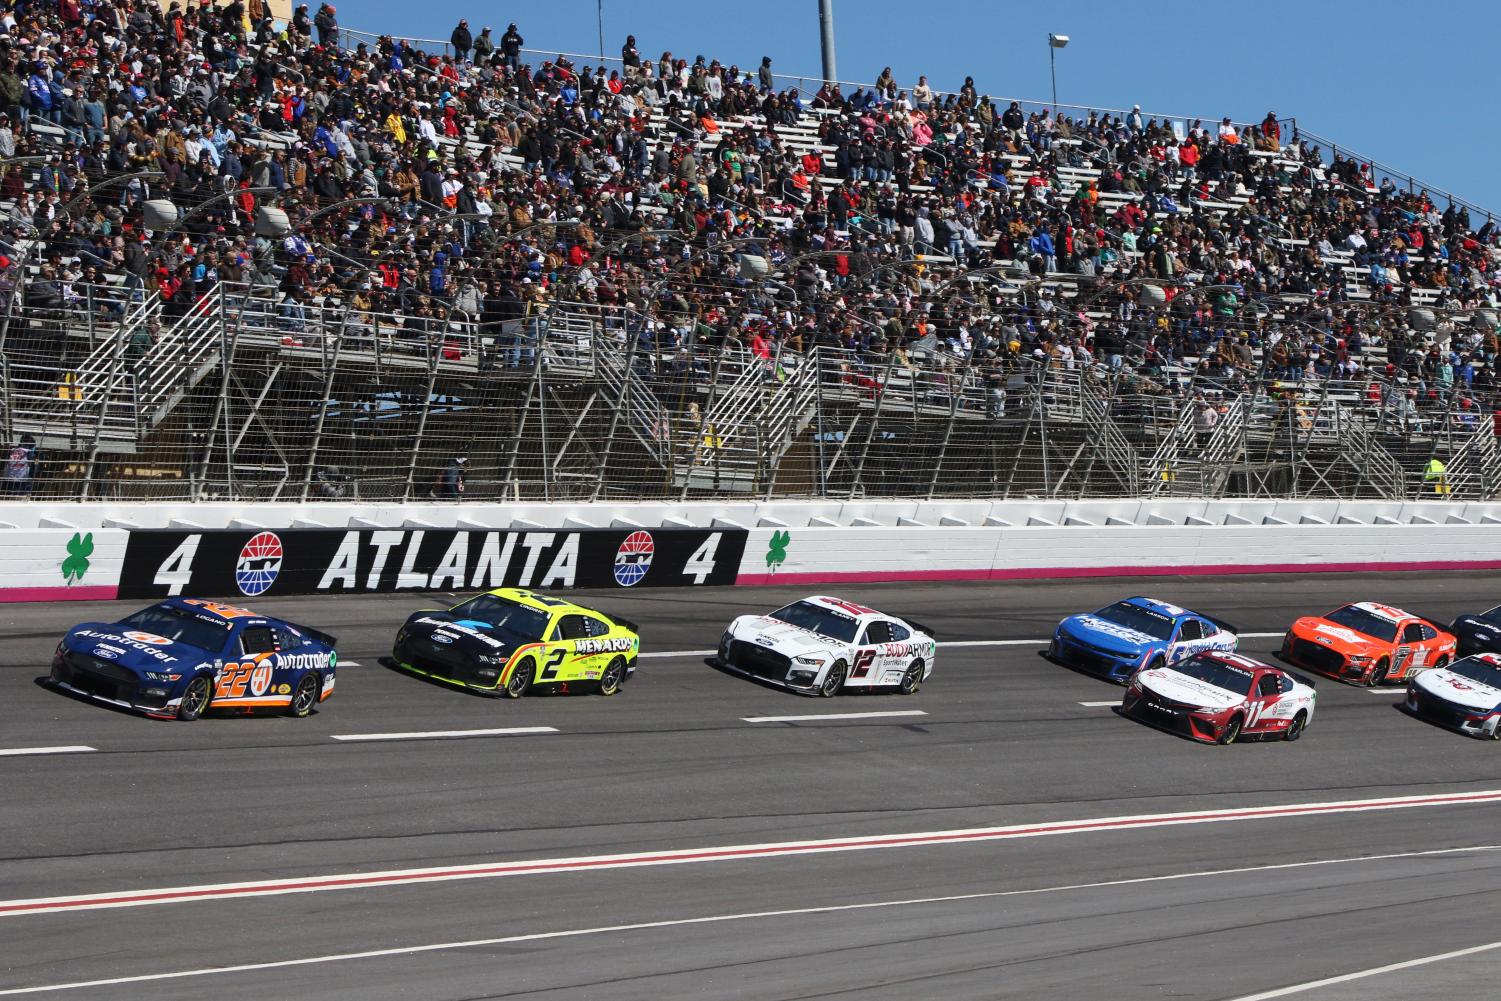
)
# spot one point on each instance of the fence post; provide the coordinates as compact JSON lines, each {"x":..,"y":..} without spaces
{"x":541,"y":347}
{"x":622,"y":400}
{"x":875,"y":419}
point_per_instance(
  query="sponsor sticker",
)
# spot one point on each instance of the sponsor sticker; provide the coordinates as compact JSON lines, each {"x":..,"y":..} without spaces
{"x":259,"y":564}
{"x":633,"y":558}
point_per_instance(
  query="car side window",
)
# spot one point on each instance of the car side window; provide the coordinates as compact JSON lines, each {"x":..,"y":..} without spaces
{"x":1268,"y":684}
{"x":1413,"y":633}
{"x":878,"y":632}
{"x":1192,"y":630}
{"x":899,"y":632}
{"x":286,"y":639}
{"x":1284,"y":684}
{"x":1429,"y":633}
{"x":595,"y":627}
{"x":571,"y":627}
{"x":257,"y":639}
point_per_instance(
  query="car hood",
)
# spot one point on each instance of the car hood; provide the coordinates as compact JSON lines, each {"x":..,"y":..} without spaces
{"x":1108,"y":635}
{"x":1477,"y":628}
{"x":132,"y":648}
{"x":1458,"y":689}
{"x":783,"y":638}
{"x":1338,"y":637}
{"x":465,"y":635}
{"x":1169,"y":684}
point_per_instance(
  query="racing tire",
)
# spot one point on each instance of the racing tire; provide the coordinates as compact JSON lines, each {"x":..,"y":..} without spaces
{"x":1378,"y":673}
{"x":613,"y":676}
{"x":834,"y":680}
{"x":1441,"y":663}
{"x":1232,"y":731}
{"x":912,"y":679}
{"x":1295,"y":728}
{"x":521,"y":679}
{"x":305,"y":696}
{"x":196,"y":698}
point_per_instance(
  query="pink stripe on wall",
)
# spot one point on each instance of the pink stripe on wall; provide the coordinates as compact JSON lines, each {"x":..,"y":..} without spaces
{"x":100,"y":592}
{"x":1059,"y":573}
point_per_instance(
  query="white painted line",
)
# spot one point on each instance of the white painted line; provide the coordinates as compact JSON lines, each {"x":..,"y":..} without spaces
{"x":718,"y":853}
{"x":510,"y":731}
{"x":821,"y":716}
{"x":942,"y":646}
{"x":10,"y":752}
{"x":349,"y":663}
{"x":666,"y":654}
{"x":1283,"y":992}
{"x":409,"y":950}
{"x":1100,"y":705}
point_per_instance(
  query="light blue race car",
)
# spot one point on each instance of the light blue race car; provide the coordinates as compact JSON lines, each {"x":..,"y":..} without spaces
{"x":1121,"y":639}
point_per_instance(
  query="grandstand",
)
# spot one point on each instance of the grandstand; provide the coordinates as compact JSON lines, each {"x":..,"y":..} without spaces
{"x":309,"y":263}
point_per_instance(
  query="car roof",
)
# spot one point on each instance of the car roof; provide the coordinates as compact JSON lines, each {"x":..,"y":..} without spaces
{"x":1160,"y":607}
{"x":541,"y":602}
{"x":1237,"y":660}
{"x":840,"y":605}
{"x":216,"y":611}
{"x":1382,"y":611}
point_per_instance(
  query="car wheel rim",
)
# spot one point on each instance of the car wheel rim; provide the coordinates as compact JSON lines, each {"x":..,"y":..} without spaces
{"x":611,"y":679}
{"x":519,"y":680}
{"x":911,"y":679}
{"x":196,"y":698}
{"x":302,"y":702}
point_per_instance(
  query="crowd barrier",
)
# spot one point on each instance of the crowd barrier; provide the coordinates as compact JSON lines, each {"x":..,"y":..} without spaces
{"x":61,"y":552}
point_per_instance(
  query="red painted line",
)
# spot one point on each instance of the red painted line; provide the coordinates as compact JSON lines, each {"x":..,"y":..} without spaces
{"x":92,"y":592}
{"x":1045,"y":573}
{"x":397,"y":878}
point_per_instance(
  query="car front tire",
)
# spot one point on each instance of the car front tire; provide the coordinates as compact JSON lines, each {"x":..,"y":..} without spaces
{"x":1231,"y":732}
{"x":833,"y":680}
{"x":196,"y":698}
{"x":521,"y":679}
{"x":1378,"y":673}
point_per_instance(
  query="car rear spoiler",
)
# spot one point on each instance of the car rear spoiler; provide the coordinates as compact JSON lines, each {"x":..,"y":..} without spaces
{"x":627,"y":623}
{"x":1227,"y":627}
{"x":921,"y":628}
{"x":1301,"y":678}
{"x":327,"y":639}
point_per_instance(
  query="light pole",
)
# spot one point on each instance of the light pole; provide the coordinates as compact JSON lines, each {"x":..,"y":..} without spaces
{"x":599,"y":10}
{"x":826,"y":39}
{"x":1055,"y":42}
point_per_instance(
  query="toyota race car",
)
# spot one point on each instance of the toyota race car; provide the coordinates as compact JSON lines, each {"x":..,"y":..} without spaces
{"x":1367,"y":643}
{"x":509,"y":642}
{"x":1122,"y":638}
{"x":1478,"y":633}
{"x":821,"y":645}
{"x":185,"y":656}
{"x":1465,"y":696}
{"x":1219,"y":698}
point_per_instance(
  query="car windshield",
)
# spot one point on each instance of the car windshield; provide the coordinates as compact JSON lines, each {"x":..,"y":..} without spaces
{"x":1493,"y":616}
{"x":1477,"y":670}
{"x":504,"y":615}
{"x":820,"y":620}
{"x":1122,"y":613}
{"x":1363,"y":621}
{"x":180,"y":627}
{"x":1217,"y":673}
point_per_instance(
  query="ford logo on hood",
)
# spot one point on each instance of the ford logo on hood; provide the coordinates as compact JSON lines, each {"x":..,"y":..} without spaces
{"x":442,"y":638}
{"x":104,"y":654}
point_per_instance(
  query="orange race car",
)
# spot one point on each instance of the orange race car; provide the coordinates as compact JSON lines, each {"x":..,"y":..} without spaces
{"x":1367,"y":644}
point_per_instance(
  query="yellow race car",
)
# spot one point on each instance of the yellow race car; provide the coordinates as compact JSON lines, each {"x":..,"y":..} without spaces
{"x":509,"y":642}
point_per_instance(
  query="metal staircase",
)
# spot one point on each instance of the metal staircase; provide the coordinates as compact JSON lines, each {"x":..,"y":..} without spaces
{"x":1473,"y":471}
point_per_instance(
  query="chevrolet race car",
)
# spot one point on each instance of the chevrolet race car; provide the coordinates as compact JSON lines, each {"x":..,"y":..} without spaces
{"x":185,"y":656}
{"x":509,"y":642}
{"x":1219,"y":698}
{"x":821,"y":645}
{"x":1478,"y":633}
{"x":1367,"y":643}
{"x":1122,"y":638}
{"x":1465,"y":696}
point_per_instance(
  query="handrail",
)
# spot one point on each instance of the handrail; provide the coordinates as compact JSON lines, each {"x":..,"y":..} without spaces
{"x":1379,"y":168}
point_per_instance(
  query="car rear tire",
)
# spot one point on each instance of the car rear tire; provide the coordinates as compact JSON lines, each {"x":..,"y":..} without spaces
{"x":912,"y":679}
{"x":305,"y":696}
{"x":834,"y":680}
{"x":1231,"y":732}
{"x":1295,"y":728}
{"x":614,"y":674}
{"x":521,"y":679}
{"x":196,"y":698}
{"x":1378,"y":673}
{"x":1442,"y":662}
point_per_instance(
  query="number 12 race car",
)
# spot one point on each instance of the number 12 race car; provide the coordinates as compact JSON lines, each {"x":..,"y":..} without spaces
{"x":820,"y":645}
{"x":184,"y":656}
{"x":1219,"y":698}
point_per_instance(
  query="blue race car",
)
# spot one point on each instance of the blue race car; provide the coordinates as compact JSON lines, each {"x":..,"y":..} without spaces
{"x":1122,"y":638}
{"x":184,"y":656}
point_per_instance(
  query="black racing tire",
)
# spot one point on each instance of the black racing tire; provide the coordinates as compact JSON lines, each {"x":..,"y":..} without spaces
{"x":911,"y":679}
{"x":613,"y":676}
{"x":305,"y":696}
{"x":834,"y":680}
{"x":1295,"y":728}
{"x":1231,"y":733}
{"x":196,"y":698}
{"x":521,"y":679}
{"x":1442,"y":662}
{"x":1378,"y":673}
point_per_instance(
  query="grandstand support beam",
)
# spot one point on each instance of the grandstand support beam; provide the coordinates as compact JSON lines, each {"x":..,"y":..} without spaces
{"x":620,"y":404}
{"x":328,"y":392}
{"x":826,"y":39}
{"x":434,"y":352}
{"x":875,"y":418}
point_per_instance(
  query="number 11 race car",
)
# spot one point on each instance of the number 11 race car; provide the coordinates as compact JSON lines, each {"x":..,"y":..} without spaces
{"x":1219,"y":698}
{"x":820,"y":645}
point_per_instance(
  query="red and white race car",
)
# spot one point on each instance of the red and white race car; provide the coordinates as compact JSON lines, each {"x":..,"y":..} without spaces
{"x":821,"y":645}
{"x":1220,"y":697}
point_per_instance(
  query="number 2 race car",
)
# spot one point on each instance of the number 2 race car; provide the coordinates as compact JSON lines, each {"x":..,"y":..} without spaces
{"x":1465,"y":696}
{"x":509,"y":642}
{"x":820,"y":645}
{"x":1124,"y":637}
{"x":184,"y":656}
{"x":1219,"y":698}
{"x":1367,"y":643}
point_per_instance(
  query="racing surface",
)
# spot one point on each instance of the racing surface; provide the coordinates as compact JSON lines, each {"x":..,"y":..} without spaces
{"x":669,"y":772}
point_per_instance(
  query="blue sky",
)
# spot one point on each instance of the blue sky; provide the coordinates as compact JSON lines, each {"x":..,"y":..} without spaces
{"x":1388,"y":80}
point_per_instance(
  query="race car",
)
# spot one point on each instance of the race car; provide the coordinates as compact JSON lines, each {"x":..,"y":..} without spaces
{"x":509,"y":642}
{"x":1478,"y":633}
{"x":1367,"y":644}
{"x":1219,"y":698}
{"x":1465,"y":696}
{"x":183,"y":657}
{"x":822,"y":645}
{"x":1134,"y":633}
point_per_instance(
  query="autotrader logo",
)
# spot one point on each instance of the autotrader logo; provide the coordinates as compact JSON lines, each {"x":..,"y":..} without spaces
{"x":259,"y":564}
{"x":633,"y":558}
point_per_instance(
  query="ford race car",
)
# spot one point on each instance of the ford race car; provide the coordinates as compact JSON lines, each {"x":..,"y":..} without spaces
{"x":1478,"y":633}
{"x":1135,"y":633}
{"x":1219,"y":698}
{"x":185,"y":656}
{"x":1465,"y":696}
{"x":821,"y":645}
{"x":508,"y":642}
{"x":1367,"y":643}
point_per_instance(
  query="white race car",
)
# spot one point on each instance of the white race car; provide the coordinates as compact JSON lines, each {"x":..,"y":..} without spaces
{"x":820,"y":645}
{"x":1465,"y":696}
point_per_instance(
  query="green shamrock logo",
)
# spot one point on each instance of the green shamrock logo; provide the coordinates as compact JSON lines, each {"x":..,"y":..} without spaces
{"x":80,"y":548}
{"x":776,"y":553}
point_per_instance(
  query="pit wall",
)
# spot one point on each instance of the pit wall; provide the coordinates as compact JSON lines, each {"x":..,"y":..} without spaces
{"x":100,"y":551}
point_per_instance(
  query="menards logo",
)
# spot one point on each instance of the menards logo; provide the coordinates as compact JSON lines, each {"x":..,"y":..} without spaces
{"x":617,"y":645}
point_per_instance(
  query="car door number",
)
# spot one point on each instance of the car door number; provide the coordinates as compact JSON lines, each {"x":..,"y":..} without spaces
{"x":554,"y":661}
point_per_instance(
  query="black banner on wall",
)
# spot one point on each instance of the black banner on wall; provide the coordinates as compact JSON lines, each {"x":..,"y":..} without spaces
{"x":254,"y":562}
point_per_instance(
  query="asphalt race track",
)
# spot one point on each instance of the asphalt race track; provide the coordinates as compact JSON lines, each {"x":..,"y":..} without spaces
{"x":670,"y":770}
